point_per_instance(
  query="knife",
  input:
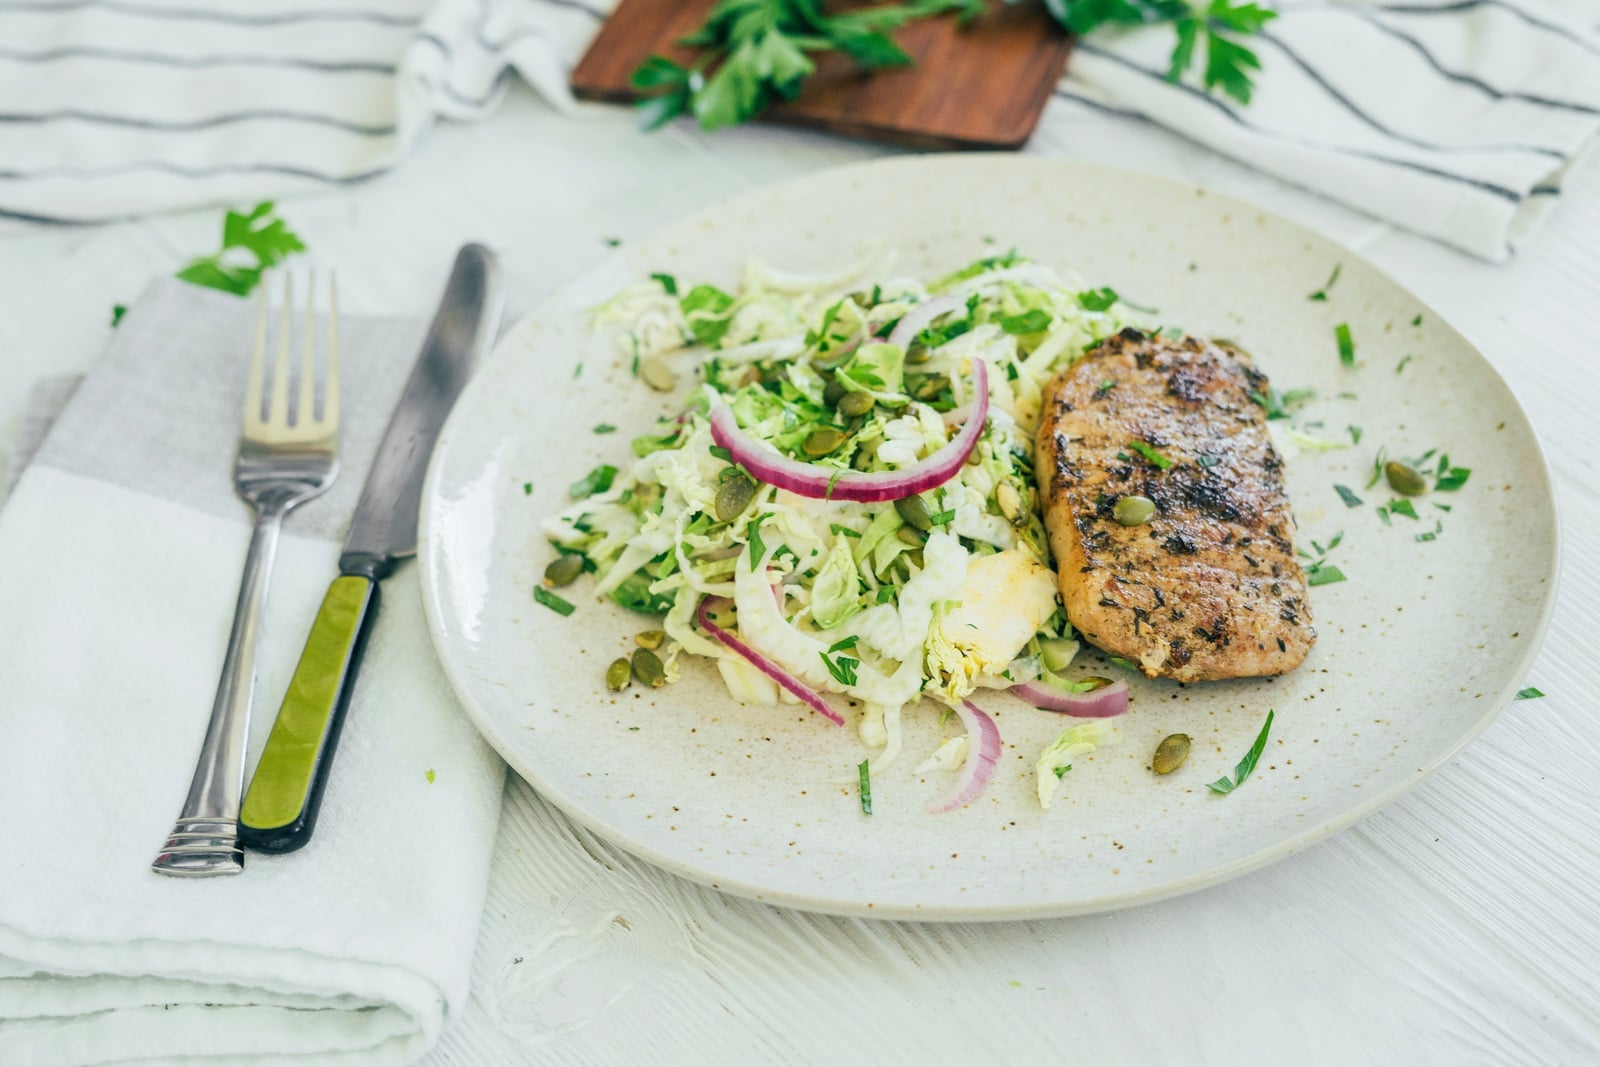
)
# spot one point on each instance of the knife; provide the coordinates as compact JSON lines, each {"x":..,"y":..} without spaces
{"x":280,"y":808}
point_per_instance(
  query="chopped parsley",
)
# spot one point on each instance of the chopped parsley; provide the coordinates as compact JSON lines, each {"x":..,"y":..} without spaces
{"x":429,"y":775}
{"x":577,"y":370}
{"x":1282,"y":405}
{"x":1126,"y":664}
{"x":1355,"y":433}
{"x":527,"y":488}
{"x":117,"y":311}
{"x":1349,"y":498}
{"x":758,"y":548}
{"x":719,"y":452}
{"x":1530,"y":693}
{"x":1097,"y":299}
{"x":1225,"y":785}
{"x":1433,"y":534}
{"x":668,"y":283}
{"x":844,"y":643}
{"x":611,"y":242}
{"x":1402,"y":364}
{"x":1031,"y":321}
{"x":1106,"y":386}
{"x":605,"y":427}
{"x":842,"y":531}
{"x":596,"y":481}
{"x":1322,"y":294}
{"x":941,"y":518}
{"x":1323,"y":573}
{"x":1451,"y":478}
{"x":1061,"y":772}
{"x":866,"y":787}
{"x":1161,"y":462}
{"x":1347,"y":347}
{"x":1403,"y":506}
{"x":843,"y":668}
{"x":885,"y":594}
{"x":551,"y":601}
{"x":1418,"y":320}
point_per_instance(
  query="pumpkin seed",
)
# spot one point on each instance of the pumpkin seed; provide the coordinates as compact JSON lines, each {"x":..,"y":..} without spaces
{"x":648,"y":668}
{"x":823,"y":442}
{"x":617,"y":674}
{"x":649,"y":638}
{"x":563,"y":570}
{"x":733,"y":496}
{"x":914,"y":511}
{"x":1094,"y":681}
{"x":1170,"y":753}
{"x":856,"y":404}
{"x":1134,"y":510}
{"x":657,"y":375}
{"x":1404,"y":480}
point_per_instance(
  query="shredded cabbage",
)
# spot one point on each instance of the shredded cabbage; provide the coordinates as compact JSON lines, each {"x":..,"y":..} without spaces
{"x":883,"y":603}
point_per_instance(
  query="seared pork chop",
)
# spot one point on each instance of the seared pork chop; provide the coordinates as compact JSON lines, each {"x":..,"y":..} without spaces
{"x":1208,"y":587}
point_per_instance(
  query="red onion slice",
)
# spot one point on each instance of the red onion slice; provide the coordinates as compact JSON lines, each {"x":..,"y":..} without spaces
{"x":1102,"y":703}
{"x":794,"y":685}
{"x":809,"y":480}
{"x":917,"y":319}
{"x":983,"y":749}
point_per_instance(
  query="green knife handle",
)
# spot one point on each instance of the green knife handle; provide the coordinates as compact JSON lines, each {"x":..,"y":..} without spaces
{"x":280,"y":809}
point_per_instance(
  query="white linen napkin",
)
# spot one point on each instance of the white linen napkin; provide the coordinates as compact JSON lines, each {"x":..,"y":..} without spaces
{"x":120,"y":553}
{"x":1458,"y":119}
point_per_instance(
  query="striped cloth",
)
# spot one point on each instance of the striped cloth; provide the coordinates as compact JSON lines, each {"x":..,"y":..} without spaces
{"x":1455,"y":118}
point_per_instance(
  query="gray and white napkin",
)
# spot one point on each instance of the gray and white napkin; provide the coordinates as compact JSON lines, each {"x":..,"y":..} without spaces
{"x":1459,"y":119}
{"x":120,"y":552}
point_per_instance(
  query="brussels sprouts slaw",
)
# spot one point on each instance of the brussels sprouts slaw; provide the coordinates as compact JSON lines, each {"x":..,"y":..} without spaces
{"x":892,"y":549}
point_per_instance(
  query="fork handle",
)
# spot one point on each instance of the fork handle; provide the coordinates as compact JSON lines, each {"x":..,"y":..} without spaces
{"x":280,"y":810}
{"x":205,"y":838}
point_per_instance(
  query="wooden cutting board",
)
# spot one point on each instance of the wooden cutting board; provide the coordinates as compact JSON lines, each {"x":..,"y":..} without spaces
{"x":983,"y":86}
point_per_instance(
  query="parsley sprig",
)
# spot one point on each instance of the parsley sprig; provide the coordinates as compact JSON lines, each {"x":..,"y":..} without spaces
{"x":251,"y":245}
{"x":1228,"y":64}
{"x":756,"y":53}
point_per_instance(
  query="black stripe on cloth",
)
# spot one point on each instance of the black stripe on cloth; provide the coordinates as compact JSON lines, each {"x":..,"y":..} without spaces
{"x":1389,"y":131}
{"x":287,"y":170}
{"x":199,"y":14}
{"x":1273,"y":135}
{"x":330,"y":66}
{"x":209,"y":122}
{"x":1472,"y":5}
{"x":1454,"y":75}
{"x":1096,"y":105}
{"x":1545,"y":190}
{"x":451,"y":91}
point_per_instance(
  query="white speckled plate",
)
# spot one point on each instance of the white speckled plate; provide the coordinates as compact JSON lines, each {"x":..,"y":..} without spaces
{"x":1418,"y":650}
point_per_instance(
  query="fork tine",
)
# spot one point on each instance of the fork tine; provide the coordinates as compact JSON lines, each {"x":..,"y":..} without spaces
{"x":252,"y":389}
{"x":330,"y":382}
{"x":305,"y":413}
{"x":278,"y":416}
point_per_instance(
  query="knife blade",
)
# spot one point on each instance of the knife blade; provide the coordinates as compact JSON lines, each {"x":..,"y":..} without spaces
{"x":285,"y":794}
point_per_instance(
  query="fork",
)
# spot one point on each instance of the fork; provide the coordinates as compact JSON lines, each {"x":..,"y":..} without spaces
{"x":280,"y":464}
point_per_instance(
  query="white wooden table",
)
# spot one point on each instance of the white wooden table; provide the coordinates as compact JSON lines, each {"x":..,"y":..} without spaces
{"x":1459,"y":926}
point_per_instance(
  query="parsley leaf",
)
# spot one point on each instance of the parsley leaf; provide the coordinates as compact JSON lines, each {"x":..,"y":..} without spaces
{"x":758,"y":548}
{"x":843,"y":668}
{"x":1402,"y":364}
{"x":1403,"y":506}
{"x":1323,"y":574}
{"x":117,"y":311}
{"x":1349,"y":498}
{"x":1529,"y":693}
{"x":1097,"y":299}
{"x":1242,"y":771}
{"x":1347,"y":347}
{"x":551,"y":601}
{"x":1322,"y":294}
{"x":1161,"y":462}
{"x":1451,"y":478}
{"x":667,"y":282}
{"x":866,"y":787}
{"x":596,"y":481}
{"x":1031,"y":321}
{"x":259,"y":236}
{"x":604,"y":427}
